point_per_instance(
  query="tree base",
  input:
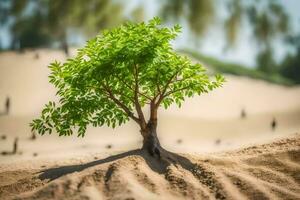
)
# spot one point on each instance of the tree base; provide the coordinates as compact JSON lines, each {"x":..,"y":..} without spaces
{"x":152,"y":146}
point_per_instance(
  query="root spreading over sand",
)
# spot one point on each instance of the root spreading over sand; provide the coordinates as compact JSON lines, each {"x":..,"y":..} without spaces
{"x":269,"y":171}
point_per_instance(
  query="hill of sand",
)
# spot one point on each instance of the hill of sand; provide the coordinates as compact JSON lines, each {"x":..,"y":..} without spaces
{"x":269,"y":171}
{"x":204,"y":134}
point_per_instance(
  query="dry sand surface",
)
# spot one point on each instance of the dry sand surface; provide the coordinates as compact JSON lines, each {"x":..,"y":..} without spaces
{"x":204,"y":133}
{"x":269,"y":171}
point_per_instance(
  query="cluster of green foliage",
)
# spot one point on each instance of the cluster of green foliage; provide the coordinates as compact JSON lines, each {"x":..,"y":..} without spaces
{"x":118,"y":73}
{"x":265,"y":61}
{"x":38,"y":23}
{"x":200,"y":14}
{"x":236,"y":69}
{"x":25,"y":34}
{"x":290,"y":66}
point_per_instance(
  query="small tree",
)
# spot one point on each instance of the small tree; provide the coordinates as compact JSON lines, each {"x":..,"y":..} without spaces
{"x":118,"y":73}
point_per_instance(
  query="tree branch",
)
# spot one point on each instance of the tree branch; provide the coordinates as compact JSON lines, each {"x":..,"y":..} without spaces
{"x":162,"y":95}
{"x":157,"y":87}
{"x":118,"y":93}
{"x":119,"y":103}
{"x":153,"y":112}
{"x":137,"y":104}
{"x":183,"y":79}
{"x":128,"y":86}
{"x":177,"y":90}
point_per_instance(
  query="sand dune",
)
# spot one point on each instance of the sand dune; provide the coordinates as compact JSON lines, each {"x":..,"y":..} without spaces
{"x":204,"y":134}
{"x":269,"y":171}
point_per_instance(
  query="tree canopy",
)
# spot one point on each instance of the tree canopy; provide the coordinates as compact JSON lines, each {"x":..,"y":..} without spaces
{"x":116,"y":74}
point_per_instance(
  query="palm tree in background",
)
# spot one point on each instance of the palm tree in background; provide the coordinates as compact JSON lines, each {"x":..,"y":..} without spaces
{"x":50,"y":20}
{"x":268,"y":20}
{"x":200,"y":14}
{"x":40,"y":22}
{"x":268,"y":24}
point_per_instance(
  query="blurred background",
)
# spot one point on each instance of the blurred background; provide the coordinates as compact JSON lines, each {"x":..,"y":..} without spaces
{"x":255,"y":43}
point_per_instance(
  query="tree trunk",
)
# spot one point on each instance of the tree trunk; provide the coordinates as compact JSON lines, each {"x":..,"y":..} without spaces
{"x":65,"y":47}
{"x":64,"y":43}
{"x":151,"y":142}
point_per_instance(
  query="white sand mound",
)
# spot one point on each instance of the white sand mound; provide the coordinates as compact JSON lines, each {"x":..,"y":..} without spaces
{"x":269,"y":171}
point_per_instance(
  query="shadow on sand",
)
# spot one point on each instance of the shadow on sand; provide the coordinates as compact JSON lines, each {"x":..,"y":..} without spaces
{"x":156,"y":164}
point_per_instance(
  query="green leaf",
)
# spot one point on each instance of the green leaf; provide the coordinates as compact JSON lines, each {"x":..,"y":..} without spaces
{"x":131,"y":63}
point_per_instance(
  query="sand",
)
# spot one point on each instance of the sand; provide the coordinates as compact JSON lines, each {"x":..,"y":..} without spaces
{"x":269,"y":171}
{"x":217,"y":154}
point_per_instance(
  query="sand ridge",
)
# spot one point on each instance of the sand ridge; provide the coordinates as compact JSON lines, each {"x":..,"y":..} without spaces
{"x":270,"y":172}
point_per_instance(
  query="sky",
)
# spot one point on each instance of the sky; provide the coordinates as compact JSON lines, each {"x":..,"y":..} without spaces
{"x":213,"y":43}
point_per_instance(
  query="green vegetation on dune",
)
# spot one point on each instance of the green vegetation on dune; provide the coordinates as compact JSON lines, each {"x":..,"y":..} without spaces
{"x":116,"y":75}
{"x":236,"y":69}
